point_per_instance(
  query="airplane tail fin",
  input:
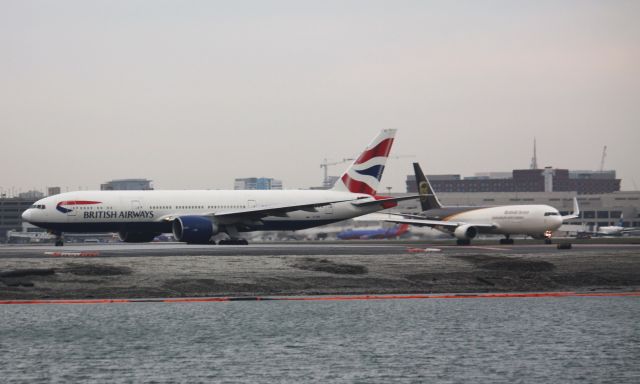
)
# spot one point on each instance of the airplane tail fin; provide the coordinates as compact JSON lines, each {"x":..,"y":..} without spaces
{"x":428,"y":198}
{"x":364,"y":174}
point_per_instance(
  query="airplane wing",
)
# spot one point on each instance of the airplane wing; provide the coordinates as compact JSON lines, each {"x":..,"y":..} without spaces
{"x":576,"y":211}
{"x":243,"y":215}
{"x":438,"y":223}
{"x":249,"y":214}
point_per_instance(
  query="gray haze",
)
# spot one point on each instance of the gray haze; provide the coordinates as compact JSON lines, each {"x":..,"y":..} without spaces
{"x":193,"y":94}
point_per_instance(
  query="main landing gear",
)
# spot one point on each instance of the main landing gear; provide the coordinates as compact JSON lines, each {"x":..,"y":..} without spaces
{"x":234,"y":237}
{"x":233,"y":242}
{"x":463,"y":242}
{"x":506,"y":240}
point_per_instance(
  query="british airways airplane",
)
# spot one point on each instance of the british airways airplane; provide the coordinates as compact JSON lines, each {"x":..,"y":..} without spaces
{"x":196,"y":216}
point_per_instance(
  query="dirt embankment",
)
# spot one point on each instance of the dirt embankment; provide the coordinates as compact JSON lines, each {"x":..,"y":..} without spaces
{"x":193,"y":276}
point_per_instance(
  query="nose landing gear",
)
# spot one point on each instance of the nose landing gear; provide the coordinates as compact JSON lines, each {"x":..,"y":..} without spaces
{"x":59,"y":239}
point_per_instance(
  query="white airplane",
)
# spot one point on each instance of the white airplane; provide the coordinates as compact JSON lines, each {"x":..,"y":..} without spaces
{"x":465,"y":223}
{"x":196,"y":216}
{"x":612,"y":230}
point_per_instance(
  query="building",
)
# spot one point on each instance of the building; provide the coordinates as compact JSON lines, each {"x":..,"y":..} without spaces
{"x":257,"y":183}
{"x":525,"y":180}
{"x":53,"y":191}
{"x":31,"y":195}
{"x":11,"y":214}
{"x":127,"y":185}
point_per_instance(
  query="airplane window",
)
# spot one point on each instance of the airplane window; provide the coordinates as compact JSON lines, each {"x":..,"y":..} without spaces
{"x":551,"y":214}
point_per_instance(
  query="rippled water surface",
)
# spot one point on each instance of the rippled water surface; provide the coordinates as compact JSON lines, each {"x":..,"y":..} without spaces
{"x":585,"y":340}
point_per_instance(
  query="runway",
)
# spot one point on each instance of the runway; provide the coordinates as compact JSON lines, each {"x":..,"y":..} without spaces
{"x":162,"y":249}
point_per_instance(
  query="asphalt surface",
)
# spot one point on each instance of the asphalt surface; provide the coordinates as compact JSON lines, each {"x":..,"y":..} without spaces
{"x":161,"y":270}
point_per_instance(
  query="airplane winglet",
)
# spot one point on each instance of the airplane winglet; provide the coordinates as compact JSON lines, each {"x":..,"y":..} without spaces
{"x":576,"y":211}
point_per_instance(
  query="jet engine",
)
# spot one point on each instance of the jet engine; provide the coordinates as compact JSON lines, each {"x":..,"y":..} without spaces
{"x":136,"y":237}
{"x":194,"y":229}
{"x":465,"y":232}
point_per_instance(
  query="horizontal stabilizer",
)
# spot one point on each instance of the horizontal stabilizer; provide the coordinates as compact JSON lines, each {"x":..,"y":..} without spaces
{"x":383,"y":201}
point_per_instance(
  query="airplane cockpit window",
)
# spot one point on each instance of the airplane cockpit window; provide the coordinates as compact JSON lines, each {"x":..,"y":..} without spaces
{"x":551,"y":214}
{"x":37,"y":206}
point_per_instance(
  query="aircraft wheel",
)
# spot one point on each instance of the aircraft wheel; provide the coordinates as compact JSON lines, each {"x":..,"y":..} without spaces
{"x":233,"y":242}
{"x":548,"y":241}
{"x":564,"y":246}
{"x":463,"y":242}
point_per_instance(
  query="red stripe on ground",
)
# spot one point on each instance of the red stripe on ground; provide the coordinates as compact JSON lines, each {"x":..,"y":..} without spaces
{"x":330,"y":298}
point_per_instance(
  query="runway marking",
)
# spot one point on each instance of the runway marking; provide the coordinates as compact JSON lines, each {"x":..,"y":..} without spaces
{"x":329,"y":298}
{"x":72,"y":254}
{"x":485,"y":248}
{"x":423,"y":250}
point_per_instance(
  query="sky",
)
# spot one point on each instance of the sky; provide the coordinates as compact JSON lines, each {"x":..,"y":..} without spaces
{"x":193,"y":94}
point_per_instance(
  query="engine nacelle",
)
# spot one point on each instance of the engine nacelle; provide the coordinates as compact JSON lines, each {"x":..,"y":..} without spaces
{"x":194,"y":229}
{"x":136,"y":237}
{"x":465,"y":232}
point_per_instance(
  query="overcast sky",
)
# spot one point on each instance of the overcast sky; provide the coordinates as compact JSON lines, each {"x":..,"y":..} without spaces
{"x":192,"y":94}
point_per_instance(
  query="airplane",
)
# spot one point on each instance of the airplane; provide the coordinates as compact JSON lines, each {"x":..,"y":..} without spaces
{"x":465,"y":223}
{"x":379,"y":233}
{"x":195,"y":216}
{"x":612,"y":230}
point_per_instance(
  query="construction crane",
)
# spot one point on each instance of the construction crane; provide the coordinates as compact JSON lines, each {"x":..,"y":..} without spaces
{"x":326,"y":164}
{"x":604,"y":154}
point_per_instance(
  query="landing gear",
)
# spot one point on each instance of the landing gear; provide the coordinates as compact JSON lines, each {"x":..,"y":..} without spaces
{"x":234,"y":237}
{"x":547,"y":237}
{"x":59,"y":239}
{"x":233,"y":242}
{"x":506,"y":240}
{"x":548,"y":241}
{"x":463,"y":242}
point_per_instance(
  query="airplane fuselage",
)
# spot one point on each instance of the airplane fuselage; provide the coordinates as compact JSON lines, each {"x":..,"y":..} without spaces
{"x":112,"y":211}
{"x":532,"y":220}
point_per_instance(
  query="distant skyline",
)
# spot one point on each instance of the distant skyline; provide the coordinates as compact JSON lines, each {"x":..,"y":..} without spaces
{"x":195,"y":94}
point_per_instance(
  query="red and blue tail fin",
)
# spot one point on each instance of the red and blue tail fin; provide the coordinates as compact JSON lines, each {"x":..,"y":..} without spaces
{"x":364,"y":174}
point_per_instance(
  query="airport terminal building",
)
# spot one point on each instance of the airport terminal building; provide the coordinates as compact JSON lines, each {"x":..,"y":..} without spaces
{"x":525,"y":180}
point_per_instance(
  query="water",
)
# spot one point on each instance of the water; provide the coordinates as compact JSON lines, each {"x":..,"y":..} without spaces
{"x":586,"y":340}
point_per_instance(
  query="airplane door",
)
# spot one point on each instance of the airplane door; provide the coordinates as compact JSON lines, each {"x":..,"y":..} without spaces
{"x":136,"y":205}
{"x":328,"y":210}
{"x":251,"y":203}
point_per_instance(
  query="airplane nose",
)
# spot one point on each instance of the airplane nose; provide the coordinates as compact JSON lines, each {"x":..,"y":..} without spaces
{"x":558,"y":221}
{"x":26,"y":216}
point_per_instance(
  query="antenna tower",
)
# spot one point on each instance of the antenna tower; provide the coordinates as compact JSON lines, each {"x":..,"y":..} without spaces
{"x":534,"y":159}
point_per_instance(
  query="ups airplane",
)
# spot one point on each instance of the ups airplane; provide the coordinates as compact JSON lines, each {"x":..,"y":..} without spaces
{"x":196,"y":216}
{"x":465,"y":223}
